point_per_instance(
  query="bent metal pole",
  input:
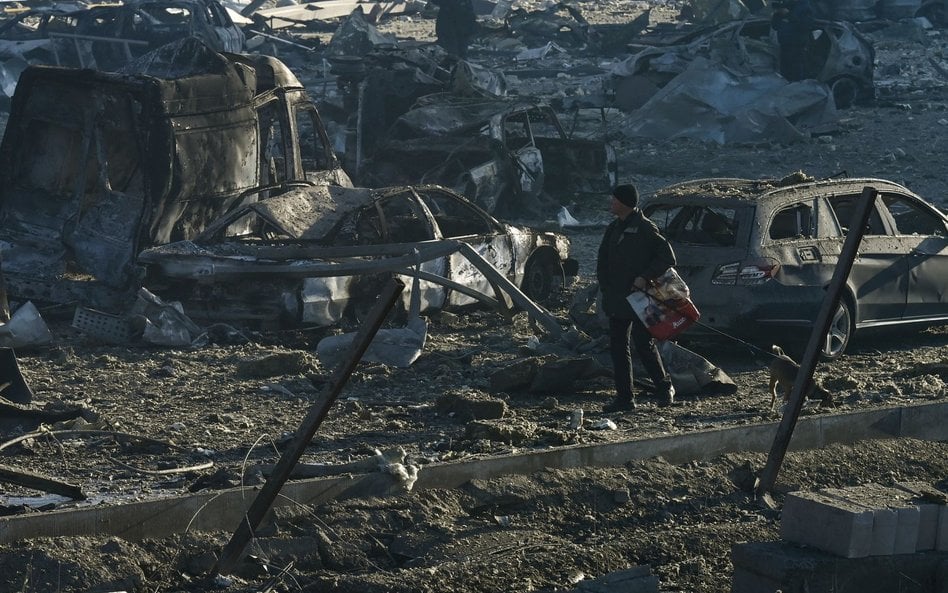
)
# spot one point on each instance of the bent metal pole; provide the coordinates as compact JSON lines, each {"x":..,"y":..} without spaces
{"x":234,"y":550}
{"x":857,"y":226}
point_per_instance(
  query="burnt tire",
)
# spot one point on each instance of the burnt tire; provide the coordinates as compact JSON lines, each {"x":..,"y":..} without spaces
{"x":841,"y":329}
{"x":541,"y":276}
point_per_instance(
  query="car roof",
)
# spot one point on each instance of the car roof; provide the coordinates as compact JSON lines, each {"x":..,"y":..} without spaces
{"x":756,"y":190}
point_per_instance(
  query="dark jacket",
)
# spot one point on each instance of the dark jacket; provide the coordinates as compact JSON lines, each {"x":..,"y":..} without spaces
{"x":631,"y":247}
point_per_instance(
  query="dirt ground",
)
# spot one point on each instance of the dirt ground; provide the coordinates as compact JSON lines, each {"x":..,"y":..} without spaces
{"x":234,"y":405}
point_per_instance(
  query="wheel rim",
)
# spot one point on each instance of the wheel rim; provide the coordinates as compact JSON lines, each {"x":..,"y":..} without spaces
{"x":839,"y":332}
{"x":844,"y":92}
{"x":538,"y":281}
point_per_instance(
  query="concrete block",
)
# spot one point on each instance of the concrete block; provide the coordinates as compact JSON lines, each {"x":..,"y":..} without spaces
{"x":827,"y":523}
{"x":941,"y":536}
{"x":906,"y":534}
{"x":927,"y":526}
{"x":766,"y":567}
{"x":884,"y":527}
{"x":895,"y":518}
{"x":941,"y":578}
{"x":929,"y":501}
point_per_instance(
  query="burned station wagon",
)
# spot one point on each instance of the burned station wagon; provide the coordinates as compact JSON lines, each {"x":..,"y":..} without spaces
{"x":98,"y":166}
{"x":315,"y":255}
{"x":759,"y":254}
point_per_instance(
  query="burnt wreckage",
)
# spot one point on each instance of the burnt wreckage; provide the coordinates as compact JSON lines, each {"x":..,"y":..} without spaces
{"x":315,"y":255}
{"x":141,"y":158}
{"x":503,"y":154}
{"x":106,"y":37}
{"x":411,"y":117}
{"x":196,"y":174}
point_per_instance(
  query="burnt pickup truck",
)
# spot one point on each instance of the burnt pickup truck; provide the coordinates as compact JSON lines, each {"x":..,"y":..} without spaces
{"x":98,"y":166}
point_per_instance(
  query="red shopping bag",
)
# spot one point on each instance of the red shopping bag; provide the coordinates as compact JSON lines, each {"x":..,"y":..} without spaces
{"x":665,"y":307}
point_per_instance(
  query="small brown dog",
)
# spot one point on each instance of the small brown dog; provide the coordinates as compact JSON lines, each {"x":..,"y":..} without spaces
{"x":783,"y":372}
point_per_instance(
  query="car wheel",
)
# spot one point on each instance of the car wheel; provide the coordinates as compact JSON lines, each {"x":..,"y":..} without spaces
{"x":840,"y":332}
{"x":540,"y":276}
{"x":845,"y":90}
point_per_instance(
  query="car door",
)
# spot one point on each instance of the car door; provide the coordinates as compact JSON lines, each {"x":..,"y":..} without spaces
{"x":921,"y":238}
{"x":572,"y":165}
{"x":518,"y":139}
{"x":877,"y":277}
{"x":391,"y":219}
{"x":399,"y":218}
{"x":458,"y":219}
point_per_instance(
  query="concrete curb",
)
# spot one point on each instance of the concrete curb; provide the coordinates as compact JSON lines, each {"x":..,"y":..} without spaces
{"x":223,"y":509}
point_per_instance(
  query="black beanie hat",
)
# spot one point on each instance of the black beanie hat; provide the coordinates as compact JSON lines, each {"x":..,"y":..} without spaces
{"x":627,"y":194}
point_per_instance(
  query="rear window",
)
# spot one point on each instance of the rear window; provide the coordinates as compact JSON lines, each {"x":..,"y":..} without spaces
{"x":696,"y":224}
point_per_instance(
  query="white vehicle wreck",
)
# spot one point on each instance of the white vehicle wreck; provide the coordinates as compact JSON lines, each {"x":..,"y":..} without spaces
{"x":316,"y":255}
{"x":98,"y":166}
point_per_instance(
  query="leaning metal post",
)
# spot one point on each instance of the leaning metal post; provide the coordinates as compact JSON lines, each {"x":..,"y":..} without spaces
{"x":234,"y":550}
{"x":857,"y":227}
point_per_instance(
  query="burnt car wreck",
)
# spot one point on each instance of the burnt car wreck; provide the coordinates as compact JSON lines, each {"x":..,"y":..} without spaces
{"x":838,"y":55}
{"x":144,"y":158}
{"x":106,"y":37}
{"x":316,"y":255}
{"x":503,"y":154}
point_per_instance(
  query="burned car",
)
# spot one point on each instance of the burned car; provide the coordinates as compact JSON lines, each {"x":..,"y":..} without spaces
{"x":105,"y":37}
{"x":133,"y":160}
{"x":502,"y":154}
{"x":316,"y":255}
{"x":838,"y":55}
{"x":759,"y":254}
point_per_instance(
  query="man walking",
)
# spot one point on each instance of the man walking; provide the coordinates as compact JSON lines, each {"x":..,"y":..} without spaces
{"x":632,"y":254}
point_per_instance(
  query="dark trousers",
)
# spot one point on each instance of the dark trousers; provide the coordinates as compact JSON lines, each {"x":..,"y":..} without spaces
{"x":620,"y":330}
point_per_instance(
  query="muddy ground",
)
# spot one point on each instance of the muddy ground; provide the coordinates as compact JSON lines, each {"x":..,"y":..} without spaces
{"x":234,"y":405}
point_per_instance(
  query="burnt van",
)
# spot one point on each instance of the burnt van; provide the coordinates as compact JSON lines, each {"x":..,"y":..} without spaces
{"x":97,"y":166}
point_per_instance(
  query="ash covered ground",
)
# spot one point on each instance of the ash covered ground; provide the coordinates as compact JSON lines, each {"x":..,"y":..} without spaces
{"x":236,"y":406}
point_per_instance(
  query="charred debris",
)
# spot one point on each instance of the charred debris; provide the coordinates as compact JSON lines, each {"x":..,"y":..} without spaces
{"x":188,"y":159}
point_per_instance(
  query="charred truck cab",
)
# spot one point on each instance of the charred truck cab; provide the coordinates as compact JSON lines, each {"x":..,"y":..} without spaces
{"x":98,"y":166}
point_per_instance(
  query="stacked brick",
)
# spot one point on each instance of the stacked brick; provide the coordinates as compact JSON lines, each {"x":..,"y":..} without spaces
{"x":868,"y":520}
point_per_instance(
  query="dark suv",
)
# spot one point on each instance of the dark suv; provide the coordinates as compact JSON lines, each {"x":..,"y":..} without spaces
{"x":759,"y":254}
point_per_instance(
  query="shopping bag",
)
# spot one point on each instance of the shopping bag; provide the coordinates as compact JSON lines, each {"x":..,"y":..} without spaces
{"x":665,"y":307}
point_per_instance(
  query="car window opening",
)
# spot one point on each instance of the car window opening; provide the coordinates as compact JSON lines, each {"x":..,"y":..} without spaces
{"x":911,"y":219}
{"x":843,"y":207}
{"x":696,"y":225}
{"x":792,"y":223}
